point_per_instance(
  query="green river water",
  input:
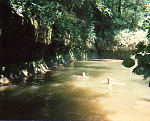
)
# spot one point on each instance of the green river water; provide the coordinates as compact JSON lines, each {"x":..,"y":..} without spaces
{"x":63,"y":94}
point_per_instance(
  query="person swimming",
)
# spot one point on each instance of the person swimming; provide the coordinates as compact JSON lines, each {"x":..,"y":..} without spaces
{"x":83,"y":74}
{"x":109,"y":80}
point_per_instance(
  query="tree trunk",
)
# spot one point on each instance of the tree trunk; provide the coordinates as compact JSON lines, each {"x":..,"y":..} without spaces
{"x":119,"y":8}
{"x":113,"y":7}
{"x":137,"y":3}
{"x":135,"y":10}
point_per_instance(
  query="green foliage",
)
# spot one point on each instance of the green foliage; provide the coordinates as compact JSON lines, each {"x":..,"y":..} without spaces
{"x":142,"y":54}
{"x":120,"y":22}
{"x":128,"y":40}
{"x":146,"y":58}
{"x":140,"y":47}
{"x":143,"y":60}
{"x":85,"y":22}
{"x":128,"y":62}
{"x":148,"y":35}
{"x":103,"y":8}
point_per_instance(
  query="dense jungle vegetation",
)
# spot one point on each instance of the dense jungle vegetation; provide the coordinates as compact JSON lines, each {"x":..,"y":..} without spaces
{"x":62,"y":30}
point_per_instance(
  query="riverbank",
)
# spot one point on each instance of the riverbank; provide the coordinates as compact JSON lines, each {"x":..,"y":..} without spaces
{"x":114,"y":60}
{"x":28,"y":69}
{"x":18,"y":72}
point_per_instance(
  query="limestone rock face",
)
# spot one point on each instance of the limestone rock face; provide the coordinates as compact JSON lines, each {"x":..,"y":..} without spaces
{"x":4,"y":80}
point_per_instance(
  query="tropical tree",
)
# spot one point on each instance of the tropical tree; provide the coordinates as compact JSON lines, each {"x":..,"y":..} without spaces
{"x":67,"y":25}
{"x":142,"y":53}
{"x":114,"y":16}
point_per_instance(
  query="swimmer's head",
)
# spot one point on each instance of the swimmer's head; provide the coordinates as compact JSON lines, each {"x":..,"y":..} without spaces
{"x":109,"y":80}
{"x":83,"y":74}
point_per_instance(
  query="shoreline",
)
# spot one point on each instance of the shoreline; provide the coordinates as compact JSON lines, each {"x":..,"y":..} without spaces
{"x":6,"y":80}
{"x":114,"y":60}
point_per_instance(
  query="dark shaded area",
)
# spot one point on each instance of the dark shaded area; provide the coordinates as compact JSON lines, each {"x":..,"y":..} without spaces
{"x":18,"y":38}
{"x":19,"y":47}
{"x":103,"y":24}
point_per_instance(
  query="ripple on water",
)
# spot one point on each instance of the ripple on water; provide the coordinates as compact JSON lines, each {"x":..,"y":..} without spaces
{"x":56,"y":85}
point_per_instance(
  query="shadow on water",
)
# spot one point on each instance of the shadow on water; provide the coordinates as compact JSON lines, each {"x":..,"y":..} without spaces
{"x":46,"y":103}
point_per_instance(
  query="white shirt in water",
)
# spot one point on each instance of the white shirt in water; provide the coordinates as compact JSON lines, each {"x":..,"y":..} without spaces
{"x":83,"y":74}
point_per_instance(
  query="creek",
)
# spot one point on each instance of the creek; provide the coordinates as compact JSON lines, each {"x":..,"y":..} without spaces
{"x":63,"y":94}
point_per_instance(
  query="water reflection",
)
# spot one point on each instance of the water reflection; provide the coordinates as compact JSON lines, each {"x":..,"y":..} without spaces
{"x":63,"y":94}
